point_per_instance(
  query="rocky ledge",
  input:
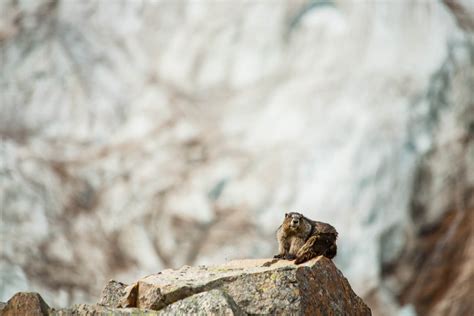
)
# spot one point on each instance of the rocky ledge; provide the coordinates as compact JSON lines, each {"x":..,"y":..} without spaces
{"x":261,"y":286}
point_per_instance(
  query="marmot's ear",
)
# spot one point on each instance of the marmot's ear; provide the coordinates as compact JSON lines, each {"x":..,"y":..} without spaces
{"x":286,"y":215}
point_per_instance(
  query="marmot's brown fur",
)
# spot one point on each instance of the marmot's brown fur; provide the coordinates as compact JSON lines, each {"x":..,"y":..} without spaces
{"x":302,"y":239}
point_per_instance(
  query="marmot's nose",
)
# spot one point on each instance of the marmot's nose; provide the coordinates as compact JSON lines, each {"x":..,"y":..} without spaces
{"x":295,"y":222}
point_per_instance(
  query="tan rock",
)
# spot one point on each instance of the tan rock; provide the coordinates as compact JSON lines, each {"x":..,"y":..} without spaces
{"x":25,"y":303}
{"x":261,"y":286}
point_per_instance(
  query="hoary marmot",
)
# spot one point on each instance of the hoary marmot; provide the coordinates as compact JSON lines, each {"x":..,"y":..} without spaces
{"x":302,"y":239}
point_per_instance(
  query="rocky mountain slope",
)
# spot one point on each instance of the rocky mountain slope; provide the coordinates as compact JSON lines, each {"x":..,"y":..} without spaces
{"x":143,"y":135}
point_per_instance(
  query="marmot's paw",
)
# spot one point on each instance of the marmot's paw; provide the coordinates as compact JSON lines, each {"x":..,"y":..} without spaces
{"x":290,"y":257}
{"x":279,"y":256}
{"x":301,"y":259}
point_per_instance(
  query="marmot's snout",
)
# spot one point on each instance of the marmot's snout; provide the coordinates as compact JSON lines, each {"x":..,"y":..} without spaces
{"x":294,"y":219}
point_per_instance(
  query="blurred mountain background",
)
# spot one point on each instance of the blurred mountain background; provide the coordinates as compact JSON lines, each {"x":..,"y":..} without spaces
{"x":143,"y":135}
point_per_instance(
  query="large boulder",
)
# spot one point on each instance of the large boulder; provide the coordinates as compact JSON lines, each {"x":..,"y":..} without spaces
{"x":254,"y":286}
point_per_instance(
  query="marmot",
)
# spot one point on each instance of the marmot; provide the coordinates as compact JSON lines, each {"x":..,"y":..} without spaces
{"x":302,"y":239}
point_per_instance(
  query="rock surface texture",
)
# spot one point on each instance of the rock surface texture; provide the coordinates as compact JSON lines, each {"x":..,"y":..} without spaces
{"x":137,"y":136}
{"x":25,"y":303}
{"x":244,"y":287}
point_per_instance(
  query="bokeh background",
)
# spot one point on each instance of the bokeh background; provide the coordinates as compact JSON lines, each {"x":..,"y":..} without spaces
{"x":143,"y":135}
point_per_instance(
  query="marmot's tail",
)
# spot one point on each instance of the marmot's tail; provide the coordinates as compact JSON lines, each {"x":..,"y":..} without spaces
{"x":331,"y":252}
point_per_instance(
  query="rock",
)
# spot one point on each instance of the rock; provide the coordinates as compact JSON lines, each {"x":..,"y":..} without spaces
{"x":253,"y":286}
{"x":25,"y":303}
{"x":98,"y":310}
{"x":214,"y":302}
{"x":32,"y":304}
{"x":112,"y":293}
{"x":442,"y":262}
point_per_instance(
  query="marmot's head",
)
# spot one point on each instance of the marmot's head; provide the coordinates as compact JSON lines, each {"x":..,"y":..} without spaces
{"x":293,"y":221}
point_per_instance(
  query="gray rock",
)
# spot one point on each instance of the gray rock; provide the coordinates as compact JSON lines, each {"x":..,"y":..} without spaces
{"x":98,"y":310}
{"x":214,"y":302}
{"x":112,"y":293}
